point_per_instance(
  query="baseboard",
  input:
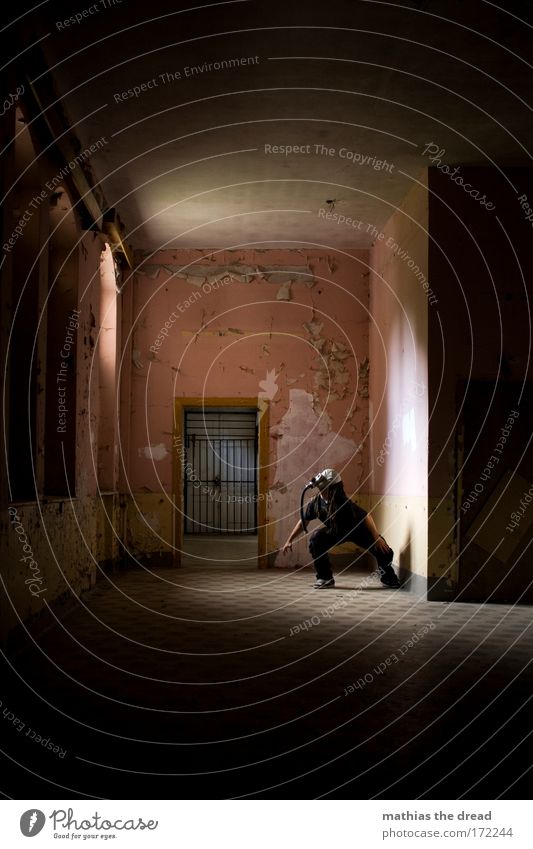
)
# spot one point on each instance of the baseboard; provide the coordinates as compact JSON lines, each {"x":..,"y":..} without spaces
{"x":441,"y":589}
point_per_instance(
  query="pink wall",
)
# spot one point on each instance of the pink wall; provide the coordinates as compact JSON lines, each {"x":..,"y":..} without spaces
{"x":193,"y":335}
{"x":65,"y":536}
{"x":109,"y":314}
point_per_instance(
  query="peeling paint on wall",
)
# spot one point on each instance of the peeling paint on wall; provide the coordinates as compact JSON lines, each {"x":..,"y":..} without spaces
{"x":364,"y":375}
{"x":248,"y":336}
{"x":154,"y":452}
{"x":136,"y":358}
{"x":306,"y":443}
{"x":284,"y":292}
{"x":332,"y":374}
{"x":238,"y":272}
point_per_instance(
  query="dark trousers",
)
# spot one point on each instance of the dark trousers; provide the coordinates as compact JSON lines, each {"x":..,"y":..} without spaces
{"x":322,"y":540}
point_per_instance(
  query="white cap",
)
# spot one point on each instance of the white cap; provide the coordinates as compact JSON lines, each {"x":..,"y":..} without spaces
{"x":326,"y":478}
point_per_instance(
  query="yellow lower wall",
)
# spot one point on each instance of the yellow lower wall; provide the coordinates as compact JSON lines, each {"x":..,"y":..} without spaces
{"x":108,"y":528}
{"x":149,"y":523}
{"x":65,"y":566}
{"x":442,"y":546}
{"x":403,"y":521}
{"x":82,"y":543}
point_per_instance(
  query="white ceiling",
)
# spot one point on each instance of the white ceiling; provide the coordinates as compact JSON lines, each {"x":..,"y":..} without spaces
{"x":186,"y":164}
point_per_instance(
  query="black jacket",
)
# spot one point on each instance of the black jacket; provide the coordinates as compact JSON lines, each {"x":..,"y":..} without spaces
{"x":348,"y":516}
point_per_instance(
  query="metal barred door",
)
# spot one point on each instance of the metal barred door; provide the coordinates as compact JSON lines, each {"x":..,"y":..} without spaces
{"x":220,"y":474}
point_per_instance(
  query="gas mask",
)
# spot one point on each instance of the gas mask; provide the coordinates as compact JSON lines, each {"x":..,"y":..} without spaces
{"x":321,"y":481}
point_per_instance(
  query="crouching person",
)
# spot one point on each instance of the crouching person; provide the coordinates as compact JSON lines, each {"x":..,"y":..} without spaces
{"x":343,"y":521}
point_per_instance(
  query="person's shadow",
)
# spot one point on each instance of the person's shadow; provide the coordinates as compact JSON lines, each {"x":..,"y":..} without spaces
{"x":404,"y":569}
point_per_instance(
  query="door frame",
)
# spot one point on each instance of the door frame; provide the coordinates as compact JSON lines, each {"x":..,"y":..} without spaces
{"x":178,"y":432}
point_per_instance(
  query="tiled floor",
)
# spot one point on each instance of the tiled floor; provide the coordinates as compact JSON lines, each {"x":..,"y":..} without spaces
{"x":219,"y":680}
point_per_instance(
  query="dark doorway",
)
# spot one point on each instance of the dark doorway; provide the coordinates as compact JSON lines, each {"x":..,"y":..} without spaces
{"x":495,"y":558}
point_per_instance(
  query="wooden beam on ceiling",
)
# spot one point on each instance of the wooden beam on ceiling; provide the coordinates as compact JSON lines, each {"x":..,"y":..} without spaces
{"x":113,"y":227}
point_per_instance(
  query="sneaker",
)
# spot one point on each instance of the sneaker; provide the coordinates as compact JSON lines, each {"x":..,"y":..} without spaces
{"x":324,"y":584}
{"x":390,"y":581}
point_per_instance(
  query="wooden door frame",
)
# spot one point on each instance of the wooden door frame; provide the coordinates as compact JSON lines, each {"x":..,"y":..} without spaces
{"x":180,"y":406}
